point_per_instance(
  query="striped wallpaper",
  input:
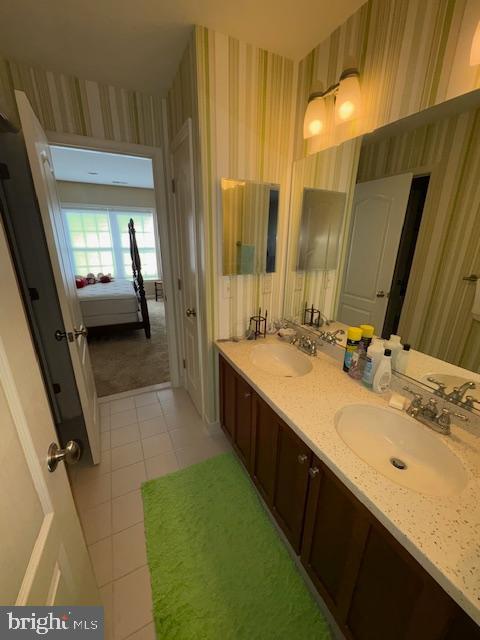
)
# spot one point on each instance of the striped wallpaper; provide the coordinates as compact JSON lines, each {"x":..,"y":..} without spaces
{"x":411,"y":54}
{"x":437,"y":317}
{"x":68,"y":104}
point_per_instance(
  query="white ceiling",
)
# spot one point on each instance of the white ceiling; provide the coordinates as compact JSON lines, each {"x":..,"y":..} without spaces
{"x":138,"y":44}
{"x":98,"y":167}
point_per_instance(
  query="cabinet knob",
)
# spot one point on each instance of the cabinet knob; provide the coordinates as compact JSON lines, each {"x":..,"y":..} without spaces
{"x":302,"y":458}
{"x":313,"y":471}
{"x":247,"y":395}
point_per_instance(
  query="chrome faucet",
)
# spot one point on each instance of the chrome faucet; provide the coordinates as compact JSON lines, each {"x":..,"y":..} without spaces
{"x":307,"y":345}
{"x":456,"y":396}
{"x":429,"y":415}
{"x":332,"y":337}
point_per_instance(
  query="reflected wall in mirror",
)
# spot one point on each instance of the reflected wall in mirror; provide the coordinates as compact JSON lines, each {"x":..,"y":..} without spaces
{"x":250,"y":220}
{"x":411,"y":245}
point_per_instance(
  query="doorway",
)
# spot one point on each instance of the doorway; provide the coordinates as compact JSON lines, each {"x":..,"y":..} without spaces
{"x":102,"y":195}
{"x":386,"y":217}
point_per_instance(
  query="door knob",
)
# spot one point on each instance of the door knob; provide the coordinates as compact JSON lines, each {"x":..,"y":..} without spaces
{"x":191,"y":313}
{"x":80,"y":332}
{"x":380,"y":294}
{"x":63,"y":335}
{"x":71,"y":454}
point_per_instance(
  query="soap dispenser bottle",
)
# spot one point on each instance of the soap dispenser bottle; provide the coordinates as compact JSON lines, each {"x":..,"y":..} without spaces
{"x":395,"y":346}
{"x":402,"y":359}
{"x":374,"y":356}
{"x":383,"y":375}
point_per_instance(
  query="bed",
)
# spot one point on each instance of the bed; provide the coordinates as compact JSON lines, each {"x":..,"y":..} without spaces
{"x":117,"y":305}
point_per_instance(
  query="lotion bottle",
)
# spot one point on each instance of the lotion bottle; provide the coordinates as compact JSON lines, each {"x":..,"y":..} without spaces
{"x":395,"y":347}
{"x":402,"y":359}
{"x":374,"y":355}
{"x":383,"y":375}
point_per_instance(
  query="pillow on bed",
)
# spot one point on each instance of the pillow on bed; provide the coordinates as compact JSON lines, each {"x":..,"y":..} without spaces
{"x":80,"y":282}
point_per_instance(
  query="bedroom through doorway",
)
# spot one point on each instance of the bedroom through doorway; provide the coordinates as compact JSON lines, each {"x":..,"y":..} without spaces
{"x":111,"y":231}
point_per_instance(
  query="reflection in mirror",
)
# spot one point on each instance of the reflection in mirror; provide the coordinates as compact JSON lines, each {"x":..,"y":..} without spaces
{"x":250,"y":219}
{"x":320,"y":225}
{"x":410,"y":262}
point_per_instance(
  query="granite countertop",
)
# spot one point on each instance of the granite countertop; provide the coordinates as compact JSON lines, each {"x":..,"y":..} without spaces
{"x":442,"y":533}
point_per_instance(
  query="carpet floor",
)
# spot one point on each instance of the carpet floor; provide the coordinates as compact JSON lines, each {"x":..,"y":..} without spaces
{"x":127,"y":360}
{"x":219,"y":569}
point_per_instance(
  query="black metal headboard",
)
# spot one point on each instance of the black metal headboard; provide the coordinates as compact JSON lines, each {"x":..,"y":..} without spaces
{"x":137,"y":276}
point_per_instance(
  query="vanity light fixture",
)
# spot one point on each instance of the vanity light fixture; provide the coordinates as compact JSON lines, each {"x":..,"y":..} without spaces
{"x":348,"y":101}
{"x":475,"y":49}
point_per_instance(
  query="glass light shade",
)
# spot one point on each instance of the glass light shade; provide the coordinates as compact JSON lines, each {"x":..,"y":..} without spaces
{"x":475,"y":50}
{"x":315,"y":118}
{"x":348,"y":101}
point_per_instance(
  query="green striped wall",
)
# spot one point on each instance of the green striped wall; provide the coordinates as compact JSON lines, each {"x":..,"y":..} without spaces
{"x":411,"y":55}
{"x":436,"y":317}
{"x":67,"y":104}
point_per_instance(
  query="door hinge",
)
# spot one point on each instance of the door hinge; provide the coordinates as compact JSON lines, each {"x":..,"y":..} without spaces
{"x":179,"y":284}
{"x":173,"y":185}
{"x":34,"y":295}
{"x":184,"y":363}
{"x":56,"y":387}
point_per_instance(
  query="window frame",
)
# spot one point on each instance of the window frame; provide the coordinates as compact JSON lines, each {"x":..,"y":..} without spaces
{"x":117,"y":252}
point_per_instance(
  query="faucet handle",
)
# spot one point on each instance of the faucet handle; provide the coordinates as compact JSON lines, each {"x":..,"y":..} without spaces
{"x":462,"y":417}
{"x":441,"y":385}
{"x":471,"y":401}
{"x":417,"y":396}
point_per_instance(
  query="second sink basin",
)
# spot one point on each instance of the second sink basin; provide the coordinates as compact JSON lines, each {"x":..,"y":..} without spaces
{"x":402,"y":449}
{"x":280,"y":360}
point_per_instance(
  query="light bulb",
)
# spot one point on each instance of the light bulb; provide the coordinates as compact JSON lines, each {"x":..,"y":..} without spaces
{"x":348,"y":100}
{"x":315,"y":118}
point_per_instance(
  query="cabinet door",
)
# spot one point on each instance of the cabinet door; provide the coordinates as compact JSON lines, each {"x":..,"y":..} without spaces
{"x":334,"y":537}
{"x":243,"y":420}
{"x":291,"y":484}
{"x":394,"y":597}
{"x":265,"y":434}
{"x":227,"y":398}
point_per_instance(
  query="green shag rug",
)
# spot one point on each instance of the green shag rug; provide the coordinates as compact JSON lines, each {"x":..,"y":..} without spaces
{"x":219,"y":569}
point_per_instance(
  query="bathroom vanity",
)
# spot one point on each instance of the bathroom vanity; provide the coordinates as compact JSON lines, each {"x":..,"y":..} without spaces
{"x":388,"y":561}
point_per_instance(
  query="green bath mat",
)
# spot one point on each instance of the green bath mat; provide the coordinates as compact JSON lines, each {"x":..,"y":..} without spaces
{"x":219,"y":569}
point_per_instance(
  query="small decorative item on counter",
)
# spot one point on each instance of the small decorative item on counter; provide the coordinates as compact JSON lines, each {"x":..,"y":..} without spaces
{"x":374,"y":355}
{"x":354,"y":335}
{"x":395,"y":346}
{"x":286,"y":333}
{"x":402,"y":359}
{"x":311,"y":316}
{"x":257,"y":325}
{"x":383,"y":375}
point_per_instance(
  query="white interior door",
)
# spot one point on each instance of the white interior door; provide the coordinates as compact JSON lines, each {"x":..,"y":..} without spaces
{"x":184,"y":198}
{"x":43,"y":557}
{"x":45,"y":187}
{"x":378,"y":215}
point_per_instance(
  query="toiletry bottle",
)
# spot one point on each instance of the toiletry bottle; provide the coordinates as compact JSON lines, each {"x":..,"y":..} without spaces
{"x":374,"y":355}
{"x":383,"y":375}
{"x":367,"y":334}
{"x":402,"y":359}
{"x":359,"y":358}
{"x":354,"y":335}
{"x":395,"y":347}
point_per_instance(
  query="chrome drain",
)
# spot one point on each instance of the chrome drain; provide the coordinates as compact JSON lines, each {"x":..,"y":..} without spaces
{"x":398,"y":464}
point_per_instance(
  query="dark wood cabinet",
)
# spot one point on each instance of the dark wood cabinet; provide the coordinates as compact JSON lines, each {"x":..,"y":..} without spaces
{"x":373,"y":587}
{"x":264,"y":451}
{"x":291,"y":484}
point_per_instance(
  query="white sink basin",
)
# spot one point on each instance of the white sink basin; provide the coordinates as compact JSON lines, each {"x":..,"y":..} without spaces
{"x":280,"y":360}
{"x":384,"y":438}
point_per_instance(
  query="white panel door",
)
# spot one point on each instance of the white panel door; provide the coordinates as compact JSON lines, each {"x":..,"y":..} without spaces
{"x":184,"y":198}
{"x":378,"y":214}
{"x":43,"y":556}
{"x":41,"y":165}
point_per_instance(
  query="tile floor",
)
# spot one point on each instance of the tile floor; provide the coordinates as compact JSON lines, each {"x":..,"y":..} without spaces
{"x":144,"y":436}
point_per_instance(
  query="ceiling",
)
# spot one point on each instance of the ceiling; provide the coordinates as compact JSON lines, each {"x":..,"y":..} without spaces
{"x":138,"y":45}
{"x":99,"y":167}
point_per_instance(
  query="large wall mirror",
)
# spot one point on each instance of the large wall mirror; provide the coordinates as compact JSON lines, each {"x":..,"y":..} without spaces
{"x":250,"y":220}
{"x":408,"y":253}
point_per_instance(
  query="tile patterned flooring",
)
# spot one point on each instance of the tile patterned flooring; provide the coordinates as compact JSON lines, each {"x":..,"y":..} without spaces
{"x":144,"y":436}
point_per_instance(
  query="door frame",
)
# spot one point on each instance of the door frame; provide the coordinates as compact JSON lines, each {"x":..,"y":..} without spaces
{"x":168,"y":249}
{"x":186,"y":132}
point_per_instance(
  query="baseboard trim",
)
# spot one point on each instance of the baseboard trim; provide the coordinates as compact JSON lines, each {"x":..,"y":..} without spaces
{"x":134,"y":392}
